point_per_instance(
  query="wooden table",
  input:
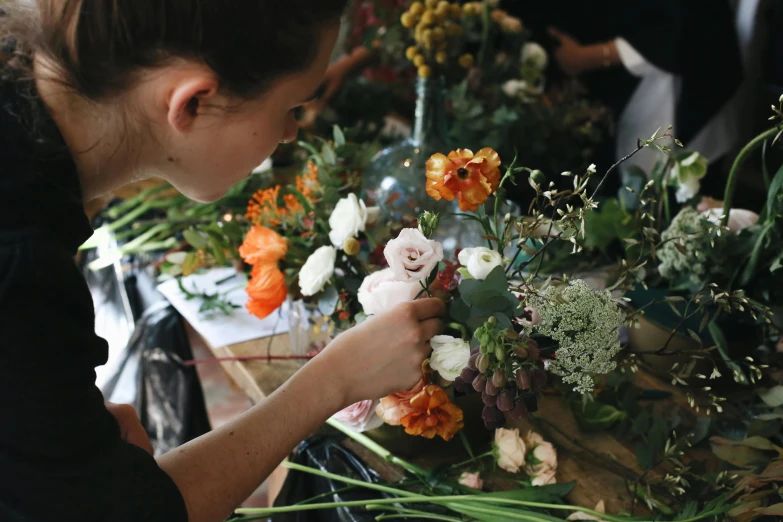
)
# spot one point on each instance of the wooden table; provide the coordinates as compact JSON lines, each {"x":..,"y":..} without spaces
{"x":601,"y":466}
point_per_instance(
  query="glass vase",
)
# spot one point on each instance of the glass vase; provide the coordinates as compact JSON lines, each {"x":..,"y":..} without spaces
{"x":395,"y":180}
{"x":308,"y":330}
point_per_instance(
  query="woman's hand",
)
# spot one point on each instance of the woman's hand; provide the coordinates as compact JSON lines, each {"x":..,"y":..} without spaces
{"x":383,"y":355}
{"x":569,"y":53}
{"x":131,"y":429}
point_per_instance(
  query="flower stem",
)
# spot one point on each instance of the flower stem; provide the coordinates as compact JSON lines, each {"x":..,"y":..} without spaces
{"x":728,"y":196}
{"x":376,"y":448}
{"x":413,"y":498}
{"x":474,"y":459}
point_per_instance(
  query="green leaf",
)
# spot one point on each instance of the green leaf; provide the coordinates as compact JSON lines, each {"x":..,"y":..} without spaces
{"x":737,"y":454}
{"x":772,"y":397}
{"x":772,"y":195}
{"x":755,"y":256}
{"x":479,"y":511}
{"x":644,"y":455}
{"x":339,"y":137}
{"x":777,"y":263}
{"x":196,"y":239}
{"x":596,"y":416}
{"x":327,"y":152}
{"x":723,"y":350}
{"x":688,"y":511}
{"x":641,"y":424}
{"x":327,"y":301}
{"x":773,"y":510}
{"x":546,"y":494}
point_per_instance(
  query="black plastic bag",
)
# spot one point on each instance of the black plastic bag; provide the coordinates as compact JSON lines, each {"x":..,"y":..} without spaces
{"x":326,"y":454}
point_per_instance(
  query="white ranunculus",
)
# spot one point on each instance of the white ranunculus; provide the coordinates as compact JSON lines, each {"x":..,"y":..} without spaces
{"x":412,"y":256}
{"x":480,"y":261}
{"x":449,"y":356}
{"x":509,"y":450}
{"x":535,"y":55}
{"x":317,"y":270}
{"x":381,"y":291}
{"x":739,"y":218}
{"x":348,"y":218}
{"x":514,"y":88}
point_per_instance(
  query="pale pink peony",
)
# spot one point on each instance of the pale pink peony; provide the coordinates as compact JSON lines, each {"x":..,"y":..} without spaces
{"x":509,"y":450}
{"x":360,"y":416}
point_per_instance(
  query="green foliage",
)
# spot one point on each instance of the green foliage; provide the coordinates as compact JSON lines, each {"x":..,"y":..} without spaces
{"x":211,"y":303}
{"x":480,"y":300}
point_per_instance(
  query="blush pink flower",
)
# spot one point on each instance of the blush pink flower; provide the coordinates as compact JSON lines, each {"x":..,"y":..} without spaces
{"x":360,"y":416}
{"x":471,"y":480}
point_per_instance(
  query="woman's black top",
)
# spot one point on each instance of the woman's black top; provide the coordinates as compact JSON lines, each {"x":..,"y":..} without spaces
{"x":61,"y":454}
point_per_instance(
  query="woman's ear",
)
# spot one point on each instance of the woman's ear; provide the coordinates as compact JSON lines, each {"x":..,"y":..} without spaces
{"x":188,"y":99}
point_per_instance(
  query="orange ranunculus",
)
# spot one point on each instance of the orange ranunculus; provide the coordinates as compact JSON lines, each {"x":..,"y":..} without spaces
{"x":434,"y":414}
{"x":396,"y":406}
{"x":266,"y":289}
{"x":468,"y":177}
{"x":263,"y":245}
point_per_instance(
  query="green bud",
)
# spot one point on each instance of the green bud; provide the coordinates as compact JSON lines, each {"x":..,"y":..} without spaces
{"x":483,"y":363}
{"x":492,"y":320}
{"x":500,"y":352}
{"x":428,"y":222}
{"x":538,"y":177}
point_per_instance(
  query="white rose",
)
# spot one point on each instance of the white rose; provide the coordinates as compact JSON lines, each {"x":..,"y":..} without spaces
{"x":687,"y":190}
{"x":412,"y":256}
{"x":544,"y":478}
{"x":546,"y":454}
{"x":449,"y":356}
{"x":373,"y":216}
{"x":348,"y":218}
{"x":317,"y":270}
{"x":513,"y":88}
{"x":360,"y":417}
{"x":535,"y":55}
{"x":509,"y":450}
{"x":480,"y":261}
{"x":381,"y":291}
{"x":739,"y":218}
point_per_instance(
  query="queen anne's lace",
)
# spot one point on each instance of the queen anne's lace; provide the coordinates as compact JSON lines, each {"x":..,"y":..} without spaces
{"x":688,"y":231}
{"x":585,"y":324}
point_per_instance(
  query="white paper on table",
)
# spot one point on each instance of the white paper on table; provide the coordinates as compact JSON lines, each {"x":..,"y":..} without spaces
{"x":218,"y":329}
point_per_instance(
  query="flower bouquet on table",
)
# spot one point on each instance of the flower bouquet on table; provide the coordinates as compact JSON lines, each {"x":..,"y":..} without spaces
{"x":707,"y":283}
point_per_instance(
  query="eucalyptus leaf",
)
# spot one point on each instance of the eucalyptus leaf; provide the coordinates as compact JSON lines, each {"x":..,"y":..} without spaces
{"x":327,"y":301}
{"x":339,"y":137}
{"x":772,"y":397}
{"x":596,"y":416}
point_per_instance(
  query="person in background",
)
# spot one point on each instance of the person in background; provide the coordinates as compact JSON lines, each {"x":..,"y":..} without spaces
{"x":655,"y":64}
{"x":95,"y":94}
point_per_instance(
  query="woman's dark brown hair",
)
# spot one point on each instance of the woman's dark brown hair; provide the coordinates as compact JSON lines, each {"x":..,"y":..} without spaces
{"x":100,"y":45}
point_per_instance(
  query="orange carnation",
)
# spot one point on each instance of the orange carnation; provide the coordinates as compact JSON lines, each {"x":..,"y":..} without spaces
{"x":468,"y":177}
{"x":262,"y":245}
{"x":434,"y":414}
{"x":266,"y":289}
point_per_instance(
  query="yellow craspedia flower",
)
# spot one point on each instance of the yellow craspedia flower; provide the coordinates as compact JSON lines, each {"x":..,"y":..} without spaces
{"x":443,"y":10}
{"x":425,"y":71}
{"x":426,"y":37}
{"x":428,"y":17}
{"x":416,"y":8}
{"x":438,"y":34}
{"x":469,"y":9}
{"x":411,"y":52}
{"x":441,"y":57}
{"x":453,"y":30}
{"x":466,"y":61}
{"x":455,"y":11}
{"x":419,"y":60}
{"x":432,"y":4}
{"x":442,"y":45}
{"x":407,"y":20}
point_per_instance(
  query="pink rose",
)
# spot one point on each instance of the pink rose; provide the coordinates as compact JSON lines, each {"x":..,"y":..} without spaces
{"x":509,"y":449}
{"x":412,"y":256}
{"x":360,"y":416}
{"x":545,"y":478}
{"x":533,"y":439}
{"x":381,"y":291}
{"x":471,"y":480}
{"x":393,"y":408}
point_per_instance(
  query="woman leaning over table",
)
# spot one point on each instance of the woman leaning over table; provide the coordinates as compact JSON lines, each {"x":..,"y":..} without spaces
{"x":99,"y":93}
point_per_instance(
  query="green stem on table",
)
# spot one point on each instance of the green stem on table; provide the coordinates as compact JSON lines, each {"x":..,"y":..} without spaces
{"x":474,"y":459}
{"x":376,"y":448}
{"x":728,"y":197}
{"x":408,"y":497}
{"x":409,"y":513}
{"x":666,"y":208}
